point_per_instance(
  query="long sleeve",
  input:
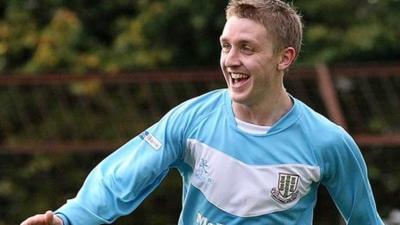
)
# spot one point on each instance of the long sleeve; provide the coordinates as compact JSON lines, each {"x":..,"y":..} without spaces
{"x":346,"y":179}
{"x":122,"y":181}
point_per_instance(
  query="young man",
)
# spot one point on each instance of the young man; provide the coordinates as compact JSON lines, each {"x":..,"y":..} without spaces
{"x":248,"y":154}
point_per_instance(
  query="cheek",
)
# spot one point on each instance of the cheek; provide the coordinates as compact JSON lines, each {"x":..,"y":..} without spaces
{"x":260,"y":65}
{"x":222,"y":61}
{"x":223,"y":68}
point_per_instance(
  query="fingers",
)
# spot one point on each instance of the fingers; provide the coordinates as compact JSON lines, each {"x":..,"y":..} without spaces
{"x":43,"y":219}
{"x":49,"y":217}
{"x":35,"y":220}
{"x":53,"y":219}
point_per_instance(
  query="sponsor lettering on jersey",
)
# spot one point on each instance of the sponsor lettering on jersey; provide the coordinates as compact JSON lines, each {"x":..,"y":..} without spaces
{"x":287,"y":188}
{"x":151,"y":140}
{"x":202,"y":220}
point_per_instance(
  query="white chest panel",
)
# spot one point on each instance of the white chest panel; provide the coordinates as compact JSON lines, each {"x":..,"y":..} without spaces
{"x":247,"y":190}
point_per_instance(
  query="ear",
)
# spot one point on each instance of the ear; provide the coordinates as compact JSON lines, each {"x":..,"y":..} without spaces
{"x":286,"y":58}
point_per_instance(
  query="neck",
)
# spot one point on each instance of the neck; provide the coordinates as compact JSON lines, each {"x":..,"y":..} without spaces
{"x":265,"y":112}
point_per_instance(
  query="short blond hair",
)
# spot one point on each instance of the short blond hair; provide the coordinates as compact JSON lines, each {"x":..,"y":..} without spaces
{"x":280,"y":19}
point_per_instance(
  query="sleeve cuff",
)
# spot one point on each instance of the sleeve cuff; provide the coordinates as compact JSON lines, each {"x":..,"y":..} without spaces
{"x":73,"y":214}
{"x":63,"y":218}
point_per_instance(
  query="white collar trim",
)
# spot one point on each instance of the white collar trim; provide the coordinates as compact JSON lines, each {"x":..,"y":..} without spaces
{"x":251,"y":128}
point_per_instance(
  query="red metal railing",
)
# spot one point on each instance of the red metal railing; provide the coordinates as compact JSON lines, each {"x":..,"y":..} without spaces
{"x":328,"y":96}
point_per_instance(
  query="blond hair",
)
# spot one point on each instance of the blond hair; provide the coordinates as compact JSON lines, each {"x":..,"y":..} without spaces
{"x":279,"y":18}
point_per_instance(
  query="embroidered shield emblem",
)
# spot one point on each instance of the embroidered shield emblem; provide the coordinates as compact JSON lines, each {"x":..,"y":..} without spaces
{"x":287,"y":190}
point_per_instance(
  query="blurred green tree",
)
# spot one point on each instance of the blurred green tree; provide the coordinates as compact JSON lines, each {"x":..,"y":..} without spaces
{"x":81,"y":36}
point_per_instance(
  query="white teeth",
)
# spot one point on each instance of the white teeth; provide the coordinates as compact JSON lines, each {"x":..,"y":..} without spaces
{"x":239,"y":76}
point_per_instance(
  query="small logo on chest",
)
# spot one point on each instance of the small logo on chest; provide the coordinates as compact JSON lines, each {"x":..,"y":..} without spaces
{"x":287,"y":190}
{"x":203,"y":171}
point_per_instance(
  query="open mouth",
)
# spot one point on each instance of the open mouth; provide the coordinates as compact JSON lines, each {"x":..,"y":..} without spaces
{"x":239,"y":77}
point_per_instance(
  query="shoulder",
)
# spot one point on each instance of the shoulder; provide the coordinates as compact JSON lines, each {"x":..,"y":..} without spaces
{"x":327,"y":139}
{"x":182,"y":119}
{"x":322,"y":130}
{"x":199,"y":107}
{"x":202,"y":104}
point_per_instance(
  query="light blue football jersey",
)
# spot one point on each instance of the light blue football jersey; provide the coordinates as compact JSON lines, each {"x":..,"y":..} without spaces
{"x":231,"y":177}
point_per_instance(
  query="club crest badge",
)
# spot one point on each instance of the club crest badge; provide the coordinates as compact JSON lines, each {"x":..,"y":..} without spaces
{"x":287,"y":190}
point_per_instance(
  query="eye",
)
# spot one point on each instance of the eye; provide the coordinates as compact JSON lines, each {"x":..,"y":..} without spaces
{"x":247,"y":49}
{"x":225,"y":47}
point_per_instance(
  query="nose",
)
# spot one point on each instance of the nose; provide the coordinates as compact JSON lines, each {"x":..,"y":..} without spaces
{"x":231,"y":58}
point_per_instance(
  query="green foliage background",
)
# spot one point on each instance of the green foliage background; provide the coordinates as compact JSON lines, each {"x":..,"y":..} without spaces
{"x":78,"y":37}
{"x":81,"y":36}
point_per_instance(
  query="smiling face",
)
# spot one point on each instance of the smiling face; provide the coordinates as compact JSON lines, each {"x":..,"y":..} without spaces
{"x":251,"y":69}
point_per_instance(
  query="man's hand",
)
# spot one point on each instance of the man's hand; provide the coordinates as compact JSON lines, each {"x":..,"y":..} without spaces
{"x":49,"y":218}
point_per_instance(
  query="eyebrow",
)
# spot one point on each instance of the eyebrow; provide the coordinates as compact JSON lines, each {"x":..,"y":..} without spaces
{"x":240,"y":42}
{"x":221,"y":38}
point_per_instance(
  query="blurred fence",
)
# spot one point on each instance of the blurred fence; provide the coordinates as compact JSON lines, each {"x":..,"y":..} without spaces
{"x":86,"y":117}
{"x":95,"y":112}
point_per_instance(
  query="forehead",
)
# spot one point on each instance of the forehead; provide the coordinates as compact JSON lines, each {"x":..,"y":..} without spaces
{"x":242,"y":29}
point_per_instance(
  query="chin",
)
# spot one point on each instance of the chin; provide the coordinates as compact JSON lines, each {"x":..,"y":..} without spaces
{"x":240,"y":98}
